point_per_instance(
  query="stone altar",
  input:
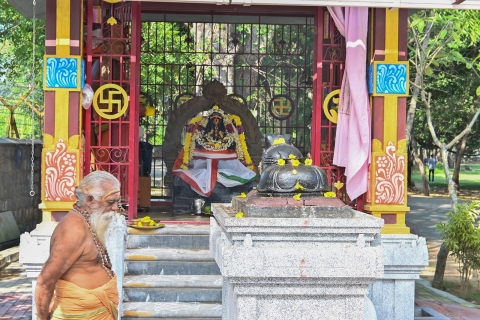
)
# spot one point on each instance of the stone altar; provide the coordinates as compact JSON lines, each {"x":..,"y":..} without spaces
{"x":307,"y":266}
{"x":292,"y":250}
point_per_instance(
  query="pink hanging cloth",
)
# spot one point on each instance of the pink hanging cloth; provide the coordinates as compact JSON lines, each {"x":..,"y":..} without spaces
{"x":353,"y":137}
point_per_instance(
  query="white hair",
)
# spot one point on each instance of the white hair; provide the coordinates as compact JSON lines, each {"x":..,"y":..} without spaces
{"x":95,"y":184}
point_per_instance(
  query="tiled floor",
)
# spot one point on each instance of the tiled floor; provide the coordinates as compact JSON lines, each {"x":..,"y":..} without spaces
{"x":15,"y":293}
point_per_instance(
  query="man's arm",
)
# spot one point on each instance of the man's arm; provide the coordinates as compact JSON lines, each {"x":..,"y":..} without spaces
{"x":65,"y":248}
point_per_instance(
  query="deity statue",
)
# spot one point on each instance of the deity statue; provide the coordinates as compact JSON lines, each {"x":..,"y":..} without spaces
{"x":214,"y":151}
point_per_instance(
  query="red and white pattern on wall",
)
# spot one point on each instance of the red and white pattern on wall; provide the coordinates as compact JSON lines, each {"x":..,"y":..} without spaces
{"x":60,"y":174}
{"x":390,"y":177}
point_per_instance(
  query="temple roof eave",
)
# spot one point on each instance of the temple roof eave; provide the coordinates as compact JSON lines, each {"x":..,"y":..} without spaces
{"x":25,"y":7}
{"x":407,"y":4}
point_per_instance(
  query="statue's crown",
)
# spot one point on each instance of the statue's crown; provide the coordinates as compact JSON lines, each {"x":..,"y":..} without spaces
{"x":215,"y":109}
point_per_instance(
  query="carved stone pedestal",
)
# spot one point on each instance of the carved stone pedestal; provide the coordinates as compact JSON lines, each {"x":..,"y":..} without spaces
{"x":296,"y":268}
{"x":393,"y":294}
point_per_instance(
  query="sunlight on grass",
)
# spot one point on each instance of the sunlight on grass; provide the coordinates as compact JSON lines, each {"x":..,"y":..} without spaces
{"x":469,"y":179}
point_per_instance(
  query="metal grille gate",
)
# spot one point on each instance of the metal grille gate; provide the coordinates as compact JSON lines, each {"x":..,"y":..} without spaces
{"x":267,"y":62}
{"x":330,"y":55}
{"x":111,"y":124}
{"x":264,"y":61}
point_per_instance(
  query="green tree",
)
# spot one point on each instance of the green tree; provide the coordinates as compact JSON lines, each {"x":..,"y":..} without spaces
{"x":462,"y":239}
{"x":16,"y":49}
{"x":442,"y":45}
{"x":438,"y":37}
{"x":20,"y":72}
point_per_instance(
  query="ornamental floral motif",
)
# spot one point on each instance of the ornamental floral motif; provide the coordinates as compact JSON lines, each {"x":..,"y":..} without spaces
{"x":60,"y":174}
{"x":390,"y":177}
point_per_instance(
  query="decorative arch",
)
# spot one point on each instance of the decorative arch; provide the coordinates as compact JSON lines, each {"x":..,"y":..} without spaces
{"x":213,"y":93}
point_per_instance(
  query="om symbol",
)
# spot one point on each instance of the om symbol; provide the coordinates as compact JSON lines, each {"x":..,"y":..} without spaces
{"x":333,"y":97}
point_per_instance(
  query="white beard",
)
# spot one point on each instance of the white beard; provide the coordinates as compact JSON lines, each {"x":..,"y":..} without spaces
{"x":100,"y":222}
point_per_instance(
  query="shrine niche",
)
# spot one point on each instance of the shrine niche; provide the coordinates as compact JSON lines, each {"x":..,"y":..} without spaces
{"x":222,"y":136}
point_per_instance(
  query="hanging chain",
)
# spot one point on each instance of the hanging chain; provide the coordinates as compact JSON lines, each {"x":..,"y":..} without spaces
{"x":32,"y":88}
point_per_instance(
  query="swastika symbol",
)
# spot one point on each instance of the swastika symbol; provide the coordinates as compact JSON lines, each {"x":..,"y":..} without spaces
{"x":280,"y":108}
{"x":111,"y":102}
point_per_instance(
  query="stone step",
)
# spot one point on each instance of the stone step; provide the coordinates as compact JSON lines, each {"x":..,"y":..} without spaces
{"x":168,"y":241}
{"x":172,"y":236}
{"x":171,"y":267}
{"x":172,"y":310}
{"x":170,"y":262}
{"x":173,"y":281}
{"x":173,"y":288}
{"x":168,"y":254}
{"x":174,"y":229}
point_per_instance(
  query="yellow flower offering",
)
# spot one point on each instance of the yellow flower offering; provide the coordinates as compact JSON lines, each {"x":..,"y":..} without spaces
{"x":146,"y":221}
{"x":217,"y":145}
{"x":297,"y":196}
{"x":279,"y":141}
{"x":298,"y":186}
{"x":292,"y":156}
{"x":295,"y":162}
{"x":330,"y":194}
{"x":308,"y":162}
{"x":196,"y":119}
{"x":239,"y":215}
{"x":242,"y":195}
{"x":281,"y":162}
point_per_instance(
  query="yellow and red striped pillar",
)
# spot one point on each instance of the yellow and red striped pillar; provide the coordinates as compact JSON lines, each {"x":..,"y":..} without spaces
{"x":63,"y":81}
{"x":388,"y":84}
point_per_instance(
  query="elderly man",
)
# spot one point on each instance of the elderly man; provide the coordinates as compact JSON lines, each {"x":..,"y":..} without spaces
{"x":79,"y":269}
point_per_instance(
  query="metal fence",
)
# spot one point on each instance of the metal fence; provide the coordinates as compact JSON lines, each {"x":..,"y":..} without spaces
{"x":21,"y":112}
{"x":263,"y":61}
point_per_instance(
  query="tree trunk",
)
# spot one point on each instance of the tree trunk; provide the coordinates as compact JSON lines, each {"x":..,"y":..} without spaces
{"x":461,"y":146}
{"x":409,"y":169}
{"x":418,"y":83}
{"x":421,"y":167}
{"x":440,"y":267}
{"x":451,"y":161}
{"x":248,"y":61}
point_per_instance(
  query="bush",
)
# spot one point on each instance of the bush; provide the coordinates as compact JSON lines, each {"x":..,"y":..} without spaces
{"x":439,"y":166}
{"x":462,"y":239}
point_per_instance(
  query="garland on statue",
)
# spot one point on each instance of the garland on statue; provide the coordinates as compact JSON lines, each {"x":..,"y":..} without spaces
{"x":194,"y":131}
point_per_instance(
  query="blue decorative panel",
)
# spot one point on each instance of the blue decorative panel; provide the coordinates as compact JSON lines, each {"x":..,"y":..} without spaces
{"x":62,"y":73}
{"x":391,"y":78}
{"x":370,"y":79}
{"x":82,"y":75}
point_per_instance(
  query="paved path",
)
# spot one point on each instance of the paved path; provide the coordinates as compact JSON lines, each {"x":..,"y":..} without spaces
{"x":15,"y":288}
{"x":425,"y":213}
{"x":15,"y":293}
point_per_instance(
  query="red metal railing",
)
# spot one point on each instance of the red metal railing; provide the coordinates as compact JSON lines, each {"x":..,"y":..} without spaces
{"x":111,"y":52}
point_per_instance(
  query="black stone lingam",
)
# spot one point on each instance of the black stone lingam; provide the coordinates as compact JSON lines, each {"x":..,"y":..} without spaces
{"x":289,"y":188}
{"x":289,"y":179}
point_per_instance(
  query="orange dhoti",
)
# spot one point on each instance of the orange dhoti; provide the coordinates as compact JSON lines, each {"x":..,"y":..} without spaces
{"x":73,"y":302}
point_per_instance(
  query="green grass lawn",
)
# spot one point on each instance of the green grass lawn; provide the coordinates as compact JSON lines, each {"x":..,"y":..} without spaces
{"x":469,"y":180}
